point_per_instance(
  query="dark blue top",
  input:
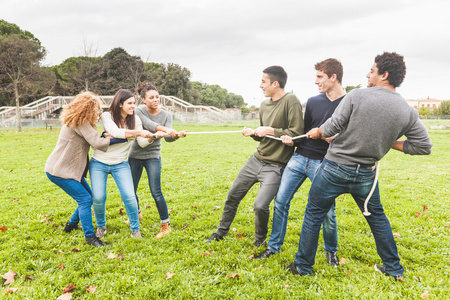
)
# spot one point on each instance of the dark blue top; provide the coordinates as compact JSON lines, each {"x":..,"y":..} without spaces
{"x":318,"y":109}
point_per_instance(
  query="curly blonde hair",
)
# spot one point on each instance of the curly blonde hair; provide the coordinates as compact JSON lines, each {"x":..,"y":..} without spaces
{"x":82,"y":110}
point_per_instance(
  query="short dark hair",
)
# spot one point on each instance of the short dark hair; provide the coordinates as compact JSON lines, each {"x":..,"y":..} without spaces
{"x":119,"y":98}
{"x":276,"y":73}
{"x":394,"y":64}
{"x":331,"y":66}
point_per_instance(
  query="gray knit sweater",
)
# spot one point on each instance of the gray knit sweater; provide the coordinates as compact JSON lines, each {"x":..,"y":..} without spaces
{"x":369,"y":121}
{"x":150,"y":122}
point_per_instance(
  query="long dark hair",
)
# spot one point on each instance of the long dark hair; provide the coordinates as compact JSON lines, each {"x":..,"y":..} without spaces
{"x":119,"y":98}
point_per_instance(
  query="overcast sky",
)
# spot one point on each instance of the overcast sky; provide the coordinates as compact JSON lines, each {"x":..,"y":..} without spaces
{"x":230,"y":42}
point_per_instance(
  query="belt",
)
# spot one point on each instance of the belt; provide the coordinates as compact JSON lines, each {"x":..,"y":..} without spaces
{"x":361,"y":165}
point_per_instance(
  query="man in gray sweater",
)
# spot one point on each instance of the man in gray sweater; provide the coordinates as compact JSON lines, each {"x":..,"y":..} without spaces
{"x":369,"y":122}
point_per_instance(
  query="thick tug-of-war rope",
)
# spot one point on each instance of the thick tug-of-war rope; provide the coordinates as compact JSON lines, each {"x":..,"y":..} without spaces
{"x":377,"y":165}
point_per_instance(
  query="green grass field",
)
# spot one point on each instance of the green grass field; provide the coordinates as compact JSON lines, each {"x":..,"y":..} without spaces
{"x":197,"y":174}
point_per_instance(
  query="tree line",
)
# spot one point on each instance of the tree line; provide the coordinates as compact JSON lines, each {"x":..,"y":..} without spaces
{"x":23,"y":79}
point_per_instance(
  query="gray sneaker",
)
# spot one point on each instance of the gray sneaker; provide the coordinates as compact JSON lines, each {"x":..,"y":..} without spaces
{"x":101,"y":231}
{"x":136,"y":234}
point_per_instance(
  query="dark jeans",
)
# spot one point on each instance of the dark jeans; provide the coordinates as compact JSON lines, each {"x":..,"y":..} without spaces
{"x":81,"y":193}
{"x":331,"y":180}
{"x":153,"y":168}
{"x":297,"y":170}
{"x":254,"y":170}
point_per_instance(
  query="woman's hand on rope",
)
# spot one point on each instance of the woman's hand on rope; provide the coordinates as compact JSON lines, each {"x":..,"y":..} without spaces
{"x":182,"y":134}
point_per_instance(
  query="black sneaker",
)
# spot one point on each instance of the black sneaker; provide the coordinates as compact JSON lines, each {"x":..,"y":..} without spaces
{"x":380,"y":268}
{"x":259,"y":243}
{"x":95,"y":241}
{"x":293,"y":269}
{"x":266,"y":254}
{"x":332,"y":259}
{"x":214,"y":237}
{"x":69,"y":227}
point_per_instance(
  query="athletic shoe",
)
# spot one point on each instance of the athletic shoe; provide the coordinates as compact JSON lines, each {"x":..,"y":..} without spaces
{"x":69,"y":227}
{"x":101,"y":231}
{"x":136,"y":234}
{"x":380,"y":268}
{"x":266,"y":254}
{"x":214,"y":237}
{"x":95,"y":241}
{"x":332,"y":259}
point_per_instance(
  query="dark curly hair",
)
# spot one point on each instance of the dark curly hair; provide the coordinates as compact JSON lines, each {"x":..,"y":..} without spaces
{"x":394,"y":64}
{"x":144,"y":88}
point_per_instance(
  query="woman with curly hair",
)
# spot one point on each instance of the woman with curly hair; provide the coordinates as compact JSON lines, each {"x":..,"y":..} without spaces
{"x":149,"y":156}
{"x":67,"y":165}
{"x":120,"y":122}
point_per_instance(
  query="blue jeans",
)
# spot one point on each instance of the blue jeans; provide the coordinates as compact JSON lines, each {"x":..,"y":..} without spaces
{"x":122,"y":176}
{"x":153,"y":168}
{"x":331,"y":180}
{"x":81,"y":193}
{"x":297,"y":170}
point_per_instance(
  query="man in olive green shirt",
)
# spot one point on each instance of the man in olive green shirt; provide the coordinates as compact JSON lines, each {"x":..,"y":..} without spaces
{"x":279,"y":115}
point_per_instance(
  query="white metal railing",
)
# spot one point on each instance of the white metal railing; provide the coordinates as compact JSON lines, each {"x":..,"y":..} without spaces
{"x":182,"y":110}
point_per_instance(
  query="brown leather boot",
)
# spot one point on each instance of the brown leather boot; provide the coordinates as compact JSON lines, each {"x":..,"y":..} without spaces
{"x":165,"y":230}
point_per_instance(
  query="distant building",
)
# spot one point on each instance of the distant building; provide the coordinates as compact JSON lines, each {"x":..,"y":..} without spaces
{"x":431,"y":103}
{"x":253,"y":114}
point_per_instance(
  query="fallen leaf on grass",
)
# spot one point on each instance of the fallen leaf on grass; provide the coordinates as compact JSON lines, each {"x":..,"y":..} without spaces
{"x":170,"y":209}
{"x":169,"y":275}
{"x":61,"y":266}
{"x":29,"y":277}
{"x":111,"y":256}
{"x":259,"y":268}
{"x":397,"y":235}
{"x":206,"y":254}
{"x":286,"y":286}
{"x":251,"y":257}
{"x":148,"y":207}
{"x":185,"y":226}
{"x":194,"y":206}
{"x":11,"y":290}
{"x":91,"y":289}
{"x":65,"y":297}
{"x":120,"y":256}
{"x":342,"y":261}
{"x":15,"y":200}
{"x":425,"y":208}
{"x":121,"y":211}
{"x":239,"y":236}
{"x":3,"y":228}
{"x":9,"y":277}
{"x":348,"y":272}
{"x":60,"y":251}
{"x":69,"y":288}
{"x":234,"y":275}
{"x":195,"y":217}
{"x":75,"y":250}
{"x":55,"y":225}
{"x":418,"y":214}
{"x":216,"y":207}
{"x":424,"y":295}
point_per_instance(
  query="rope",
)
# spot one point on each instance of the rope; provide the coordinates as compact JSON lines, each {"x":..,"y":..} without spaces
{"x":366,"y":211}
{"x":239,"y":131}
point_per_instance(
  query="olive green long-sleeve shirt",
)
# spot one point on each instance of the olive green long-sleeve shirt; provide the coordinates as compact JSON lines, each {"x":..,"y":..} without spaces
{"x":285,"y":116}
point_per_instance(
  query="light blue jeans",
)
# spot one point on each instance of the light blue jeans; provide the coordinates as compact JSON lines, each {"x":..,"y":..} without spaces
{"x":153,"y":168}
{"x":331,"y":180}
{"x":122,"y":176}
{"x":297,"y":170}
